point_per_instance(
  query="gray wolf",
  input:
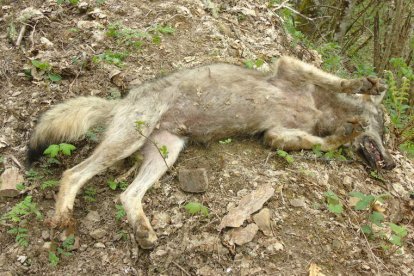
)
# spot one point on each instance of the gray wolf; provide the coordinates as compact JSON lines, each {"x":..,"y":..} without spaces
{"x":295,"y":106}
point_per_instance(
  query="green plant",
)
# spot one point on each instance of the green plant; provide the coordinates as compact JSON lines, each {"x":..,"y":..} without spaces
{"x":288,"y":158}
{"x":90,"y":194}
{"x":253,"y":64}
{"x":376,"y":175}
{"x":194,"y":208}
{"x":72,"y":2}
{"x":110,"y":57}
{"x":226,"y":141}
{"x":113,"y":185}
{"x":22,"y":210}
{"x":32,"y":175}
{"x":120,"y":212}
{"x":49,"y":184}
{"x":53,"y":150}
{"x":18,"y":214}
{"x":333,"y":203}
{"x":53,"y":259}
{"x":46,"y":68}
{"x":20,"y":186}
{"x":401,"y":113}
{"x":126,"y":36}
{"x":21,"y":235}
{"x":330,"y":155}
{"x":398,"y":234}
{"x":93,"y":134}
{"x":164,"y":151}
{"x":63,"y":250}
{"x":123,"y":234}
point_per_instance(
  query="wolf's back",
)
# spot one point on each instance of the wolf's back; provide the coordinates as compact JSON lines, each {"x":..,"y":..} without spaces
{"x":67,"y":122}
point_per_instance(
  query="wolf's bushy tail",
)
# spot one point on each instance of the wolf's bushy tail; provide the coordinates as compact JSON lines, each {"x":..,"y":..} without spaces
{"x":67,"y":122}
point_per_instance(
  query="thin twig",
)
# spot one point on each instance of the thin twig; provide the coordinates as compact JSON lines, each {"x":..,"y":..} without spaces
{"x":12,"y":157}
{"x":181,"y":268}
{"x":21,"y":34}
{"x":156,"y":146}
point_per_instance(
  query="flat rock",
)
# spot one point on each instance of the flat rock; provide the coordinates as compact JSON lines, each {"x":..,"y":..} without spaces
{"x":8,"y":181}
{"x":98,"y":234}
{"x":298,"y":202}
{"x":93,"y":216}
{"x":193,"y":181}
{"x":247,"y":206}
{"x":263,"y":221}
{"x":160,"y":220}
{"x":244,"y":235}
{"x":99,"y":245}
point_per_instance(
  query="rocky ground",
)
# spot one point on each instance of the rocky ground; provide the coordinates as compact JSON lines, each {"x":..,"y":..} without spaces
{"x":103,"y":47}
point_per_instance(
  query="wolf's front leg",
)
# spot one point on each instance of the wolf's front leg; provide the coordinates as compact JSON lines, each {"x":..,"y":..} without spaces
{"x":297,"y":71}
{"x":368,"y":86}
{"x":295,"y":139}
{"x":152,"y":168}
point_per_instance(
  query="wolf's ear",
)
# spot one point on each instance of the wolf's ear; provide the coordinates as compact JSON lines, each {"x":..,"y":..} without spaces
{"x":377,"y":99}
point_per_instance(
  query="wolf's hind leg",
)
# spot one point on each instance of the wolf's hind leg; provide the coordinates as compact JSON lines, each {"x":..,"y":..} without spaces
{"x":152,"y":168}
{"x":106,"y":154}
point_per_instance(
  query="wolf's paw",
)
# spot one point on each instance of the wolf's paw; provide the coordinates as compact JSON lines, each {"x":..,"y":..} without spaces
{"x":145,"y":237}
{"x":368,"y":86}
{"x":61,"y":221}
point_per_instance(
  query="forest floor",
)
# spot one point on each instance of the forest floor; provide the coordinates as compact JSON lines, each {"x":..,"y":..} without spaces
{"x":102,"y":49}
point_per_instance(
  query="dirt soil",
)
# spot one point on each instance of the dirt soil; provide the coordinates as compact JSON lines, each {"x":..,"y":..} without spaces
{"x":77,"y":42}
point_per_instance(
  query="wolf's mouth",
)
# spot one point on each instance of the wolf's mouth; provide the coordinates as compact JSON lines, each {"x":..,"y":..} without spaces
{"x":371,"y":153}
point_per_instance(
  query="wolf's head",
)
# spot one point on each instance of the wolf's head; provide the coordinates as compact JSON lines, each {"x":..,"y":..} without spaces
{"x":370,"y":144}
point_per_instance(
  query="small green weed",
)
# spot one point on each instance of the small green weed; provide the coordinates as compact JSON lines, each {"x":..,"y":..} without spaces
{"x":110,"y":57}
{"x":398,"y":106}
{"x":90,"y":194}
{"x":53,"y":259}
{"x":21,"y":235}
{"x":330,"y":155}
{"x":20,"y":186}
{"x":333,"y":203}
{"x":22,"y":210}
{"x":369,"y":206}
{"x":49,"y":184}
{"x":113,"y":185}
{"x":226,"y":141}
{"x":19,"y":213}
{"x":46,"y":68}
{"x":53,"y":150}
{"x":32,"y":175}
{"x":288,"y":158}
{"x":71,"y":2}
{"x":164,"y":151}
{"x":194,"y":208}
{"x":120,"y":212}
{"x":253,"y":64}
{"x":62,"y":251}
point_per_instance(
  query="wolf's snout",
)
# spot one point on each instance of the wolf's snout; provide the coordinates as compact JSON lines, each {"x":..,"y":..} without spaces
{"x":389,"y":163}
